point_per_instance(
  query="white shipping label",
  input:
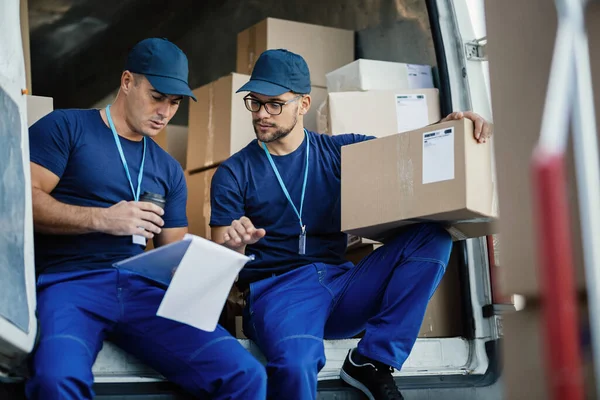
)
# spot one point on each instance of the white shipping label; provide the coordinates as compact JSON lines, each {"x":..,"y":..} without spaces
{"x":438,"y":156}
{"x":411,"y":112}
{"x":419,"y":76}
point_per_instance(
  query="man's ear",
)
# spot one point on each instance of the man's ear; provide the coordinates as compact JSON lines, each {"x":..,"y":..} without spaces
{"x":305,"y":102}
{"x":127,"y":81}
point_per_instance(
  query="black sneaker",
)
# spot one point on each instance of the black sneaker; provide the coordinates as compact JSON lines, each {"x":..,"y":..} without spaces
{"x":372,"y":378}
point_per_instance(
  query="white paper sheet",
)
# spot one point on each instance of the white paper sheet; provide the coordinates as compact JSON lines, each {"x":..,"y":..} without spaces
{"x":438,"y":155}
{"x":157,"y":264}
{"x":201,"y":284}
{"x":411,"y":112}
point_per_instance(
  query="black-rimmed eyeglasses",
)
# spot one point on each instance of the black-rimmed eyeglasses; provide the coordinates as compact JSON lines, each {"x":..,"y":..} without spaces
{"x":271,"y":107}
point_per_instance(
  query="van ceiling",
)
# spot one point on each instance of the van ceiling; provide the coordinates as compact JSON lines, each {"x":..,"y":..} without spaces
{"x":78,"y":47}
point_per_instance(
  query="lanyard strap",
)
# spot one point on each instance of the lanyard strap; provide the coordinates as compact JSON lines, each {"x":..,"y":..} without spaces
{"x":136,"y":194}
{"x":285,"y":191}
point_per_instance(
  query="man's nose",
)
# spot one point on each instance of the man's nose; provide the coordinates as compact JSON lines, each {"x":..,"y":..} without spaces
{"x":261,"y":113}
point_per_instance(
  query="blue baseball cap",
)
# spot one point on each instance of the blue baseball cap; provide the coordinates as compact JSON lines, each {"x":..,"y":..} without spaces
{"x":163,"y":64}
{"x":277,"y":72}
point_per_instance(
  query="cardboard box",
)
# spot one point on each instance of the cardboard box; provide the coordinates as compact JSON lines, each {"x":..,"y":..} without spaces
{"x":438,"y":173}
{"x":324,"y":49}
{"x":38,"y":107}
{"x":219,"y":123}
{"x":382,"y":113}
{"x":444,"y":314}
{"x":173,"y":139}
{"x":379,"y":75}
{"x":318,"y":96}
{"x":519,"y":74}
{"x":198,"y":204}
{"x":161,"y":139}
{"x":524,"y":361}
{"x":177,"y":140}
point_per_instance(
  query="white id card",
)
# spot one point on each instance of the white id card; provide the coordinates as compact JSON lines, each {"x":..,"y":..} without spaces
{"x":139,"y":239}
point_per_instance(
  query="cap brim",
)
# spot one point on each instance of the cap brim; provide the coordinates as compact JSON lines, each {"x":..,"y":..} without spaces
{"x":170,"y":86}
{"x":263,"y":87}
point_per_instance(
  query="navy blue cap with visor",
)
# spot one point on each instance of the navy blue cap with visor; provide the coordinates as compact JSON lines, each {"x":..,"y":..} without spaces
{"x":163,"y":64}
{"x":277,"y":72}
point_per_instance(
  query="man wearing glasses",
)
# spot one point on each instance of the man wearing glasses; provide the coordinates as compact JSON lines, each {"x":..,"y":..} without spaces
{"x":279,"y":199}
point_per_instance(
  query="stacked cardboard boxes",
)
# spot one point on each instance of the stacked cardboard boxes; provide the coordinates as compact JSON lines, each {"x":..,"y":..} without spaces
{"x":379,"y":98}
{"x":519,"y":76}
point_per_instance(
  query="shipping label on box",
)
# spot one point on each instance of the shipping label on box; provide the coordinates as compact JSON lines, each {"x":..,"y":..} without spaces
{"x":324,"y":49}
{"x":439,"y":173}
{"x":219,"y":123}
{"x":362,"y":75}
{"x":381,"y":113}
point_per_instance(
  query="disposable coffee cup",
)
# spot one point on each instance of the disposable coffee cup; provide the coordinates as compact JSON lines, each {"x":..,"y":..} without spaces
{"x":157,"y":199}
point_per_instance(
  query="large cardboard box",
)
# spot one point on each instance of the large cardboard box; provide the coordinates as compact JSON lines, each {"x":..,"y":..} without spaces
{"x":38,"y":107}
{"x":177,"y":140}
{"x":437,"y":173}
{"x":382,"y":113}
{"x":219,"y":123}
{"x":444,"y":314}
{"x":198,"y":204}
{"x":174,"y":139}
{"x":379,"y":75}
{"x":519,"y":74}
{"x":525,"y":360}
{"x":324,"y":49}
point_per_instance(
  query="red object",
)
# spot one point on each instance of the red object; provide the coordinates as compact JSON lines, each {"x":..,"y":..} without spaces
{"x":560,"y":329}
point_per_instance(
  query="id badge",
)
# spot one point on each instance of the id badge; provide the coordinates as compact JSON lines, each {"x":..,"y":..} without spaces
{"x":302,"y":242}
{"x":139,"y":239}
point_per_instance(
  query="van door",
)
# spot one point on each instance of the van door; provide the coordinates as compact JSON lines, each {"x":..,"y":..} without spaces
{"x":18,"y":326}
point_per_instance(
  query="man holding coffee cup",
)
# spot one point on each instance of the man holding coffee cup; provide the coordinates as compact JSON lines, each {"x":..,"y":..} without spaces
{"x":88,"y":168}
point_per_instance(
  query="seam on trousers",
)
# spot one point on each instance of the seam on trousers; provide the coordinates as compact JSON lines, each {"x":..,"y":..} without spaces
{"x":207,"y":345}
{"x":318,"y":339}
{"x":431,"y":260}
{"x":71,"y":337}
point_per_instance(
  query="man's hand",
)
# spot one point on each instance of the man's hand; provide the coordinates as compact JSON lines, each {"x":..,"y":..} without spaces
{"x":482,"y":129}
{"x":131,"y":218}
{"x":241,"y":233}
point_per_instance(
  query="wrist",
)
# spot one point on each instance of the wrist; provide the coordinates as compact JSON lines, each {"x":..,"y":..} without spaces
{"x":97,"y":219}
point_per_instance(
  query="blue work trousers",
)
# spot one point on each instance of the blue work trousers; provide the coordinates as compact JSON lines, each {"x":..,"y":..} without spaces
{"x":385,"y":295}
{"x":79,"y":310}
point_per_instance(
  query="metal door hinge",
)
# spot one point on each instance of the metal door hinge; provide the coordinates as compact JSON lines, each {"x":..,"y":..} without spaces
{"x":475,"y":50}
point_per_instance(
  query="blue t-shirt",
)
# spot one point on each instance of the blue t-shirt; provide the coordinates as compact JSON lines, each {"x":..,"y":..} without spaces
{"x":78,"y":147}
{"x":246,"y":185}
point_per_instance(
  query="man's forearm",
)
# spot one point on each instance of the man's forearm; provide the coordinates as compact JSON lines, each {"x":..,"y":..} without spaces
{"x":53,"y":217}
